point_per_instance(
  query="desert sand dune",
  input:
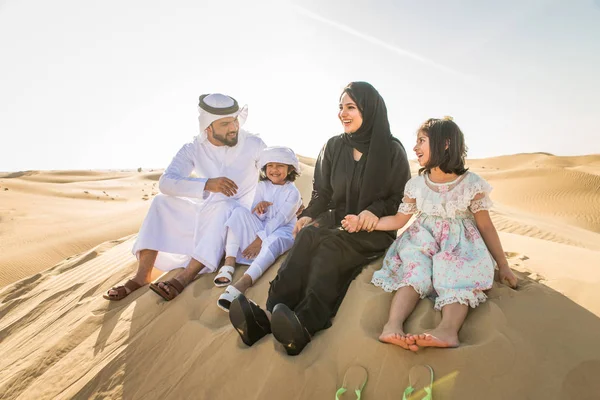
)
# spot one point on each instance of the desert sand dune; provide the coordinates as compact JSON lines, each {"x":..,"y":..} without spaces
{"x":60,"y":339}
{"x":48,"y":216}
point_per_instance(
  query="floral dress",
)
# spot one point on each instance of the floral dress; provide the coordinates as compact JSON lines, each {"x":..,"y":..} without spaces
{"x":442,"y":254}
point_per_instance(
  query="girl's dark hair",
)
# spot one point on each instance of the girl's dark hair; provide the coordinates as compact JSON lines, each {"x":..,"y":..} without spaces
{"x":442,"y":132}
{"x":291,"y":176}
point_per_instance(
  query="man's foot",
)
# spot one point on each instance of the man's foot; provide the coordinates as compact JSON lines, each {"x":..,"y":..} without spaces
{"x":437,"y":338}
{"x":395,"y":335}
{"x":122,"y":291}
{"x":168,"y":290}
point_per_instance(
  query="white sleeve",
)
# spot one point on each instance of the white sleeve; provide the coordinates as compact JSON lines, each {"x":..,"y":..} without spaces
{"x":407,"y":207}
{"x":409,"y":201}
{"x":478,"y":195}
{"x":176,"y":180}
{"x":284,"y":211}
{"x":261,"y":146}
{"x":259,"y":196}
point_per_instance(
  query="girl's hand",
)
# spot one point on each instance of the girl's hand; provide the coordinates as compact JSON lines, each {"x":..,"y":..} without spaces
{"x":507,"y":277}
{"x":302,"y":222}
{"x":262,"y":207}
{"x":367,"y":221}
{"x":350,"y":223}
{"x":253,"y":250}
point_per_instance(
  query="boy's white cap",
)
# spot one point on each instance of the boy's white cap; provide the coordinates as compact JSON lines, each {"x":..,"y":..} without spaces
{"x":279,"y":154}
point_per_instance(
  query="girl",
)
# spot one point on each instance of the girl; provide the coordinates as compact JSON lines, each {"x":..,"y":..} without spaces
{"x":446,"y":251}
{"x":259,"y":236}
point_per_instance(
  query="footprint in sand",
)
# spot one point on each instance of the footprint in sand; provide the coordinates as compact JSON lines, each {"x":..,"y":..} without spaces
{"x":522,"y":272}
{"x":483,"y":324}
{"x":534,"y":276}
{"x":375,"y":314}
{"x":423,"y":318}
{"x":511,"y":254}
{"x":582,"y":381}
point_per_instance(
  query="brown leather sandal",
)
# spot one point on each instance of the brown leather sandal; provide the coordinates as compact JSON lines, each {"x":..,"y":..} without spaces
{"x":121,"y":290}
{"x":175,"y":288}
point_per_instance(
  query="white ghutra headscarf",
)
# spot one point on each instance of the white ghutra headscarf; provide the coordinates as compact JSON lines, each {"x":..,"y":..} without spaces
{"x":212,"y":107}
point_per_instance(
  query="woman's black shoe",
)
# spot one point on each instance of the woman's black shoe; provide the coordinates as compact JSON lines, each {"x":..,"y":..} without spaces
{"x":249,"y":320}
{"x":288,"y":330}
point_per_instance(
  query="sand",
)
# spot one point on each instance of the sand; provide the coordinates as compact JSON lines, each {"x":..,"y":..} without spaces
{"x":62,"y":248}
{"x":46,"y":217}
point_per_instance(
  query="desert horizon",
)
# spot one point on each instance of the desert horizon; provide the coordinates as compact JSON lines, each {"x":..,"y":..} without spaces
{"x":98,"y":185}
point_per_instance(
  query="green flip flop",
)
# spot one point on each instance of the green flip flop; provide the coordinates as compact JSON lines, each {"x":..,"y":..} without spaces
{"x":428,"y":389}
{"x":355,"y":378}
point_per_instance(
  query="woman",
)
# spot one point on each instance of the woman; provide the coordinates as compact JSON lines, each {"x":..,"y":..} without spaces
{"x":363,"y":172}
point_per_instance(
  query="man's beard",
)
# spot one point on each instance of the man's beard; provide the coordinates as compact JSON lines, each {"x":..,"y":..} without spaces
{"x":227,"y":142}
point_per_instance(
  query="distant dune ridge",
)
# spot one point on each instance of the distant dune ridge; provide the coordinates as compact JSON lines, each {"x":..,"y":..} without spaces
{"x":66,"y":238}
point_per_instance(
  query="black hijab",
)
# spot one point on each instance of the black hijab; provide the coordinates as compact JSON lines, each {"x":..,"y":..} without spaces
{"x":373,"y":139}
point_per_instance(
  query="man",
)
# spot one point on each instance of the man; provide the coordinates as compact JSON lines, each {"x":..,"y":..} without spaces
{"x":185,"y":225}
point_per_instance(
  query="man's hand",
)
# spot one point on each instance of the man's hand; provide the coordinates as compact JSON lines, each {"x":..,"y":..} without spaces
{"x":507,"y":277}
{"x":252,"y":251}
{"x":302,"y":222}
{"x":262,"y":207}
{"x":367,"y":221}
{"x":221,"y":185}
{"x":350,"y":223}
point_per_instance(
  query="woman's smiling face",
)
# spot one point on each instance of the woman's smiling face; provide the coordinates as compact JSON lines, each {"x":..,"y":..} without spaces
{"x":349,"y":114}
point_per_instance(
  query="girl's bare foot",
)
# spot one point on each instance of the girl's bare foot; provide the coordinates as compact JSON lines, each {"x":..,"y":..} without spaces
{"x":394,"y":334}
{"x":437,"y":338}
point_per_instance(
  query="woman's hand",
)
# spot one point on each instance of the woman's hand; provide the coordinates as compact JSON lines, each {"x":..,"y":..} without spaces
{"x":252,"y":251}
{"x":367,"y":221}
{"x":262,"y":207}
{"x":302,"y":222}
{"x":507,"y":277}
{"x":350,"y":223}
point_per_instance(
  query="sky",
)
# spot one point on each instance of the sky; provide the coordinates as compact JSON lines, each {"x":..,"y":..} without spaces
{"x":115,"y":84}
